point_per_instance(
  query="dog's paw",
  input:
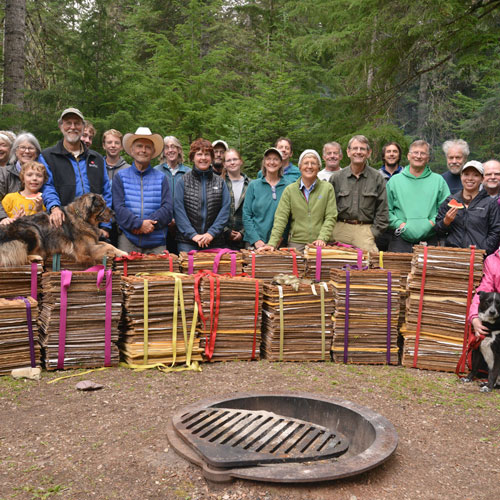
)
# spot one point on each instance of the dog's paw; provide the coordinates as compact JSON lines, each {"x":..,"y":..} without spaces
{"x":484,"y":388}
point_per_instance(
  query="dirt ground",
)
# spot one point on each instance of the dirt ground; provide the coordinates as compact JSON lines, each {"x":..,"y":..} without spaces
{"x":57,"y":442}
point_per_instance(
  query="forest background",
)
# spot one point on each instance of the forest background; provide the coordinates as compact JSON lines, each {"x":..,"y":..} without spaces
{"x":249,"y":71}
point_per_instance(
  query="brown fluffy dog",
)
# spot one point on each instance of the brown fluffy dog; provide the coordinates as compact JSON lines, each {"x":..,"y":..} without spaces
{"x":34,"y":237}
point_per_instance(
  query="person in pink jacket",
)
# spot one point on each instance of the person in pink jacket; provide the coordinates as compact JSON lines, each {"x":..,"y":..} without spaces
{"x":489,"y":283}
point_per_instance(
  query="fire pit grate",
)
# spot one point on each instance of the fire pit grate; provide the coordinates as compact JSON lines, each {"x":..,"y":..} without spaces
{"x":285,"y":438}
{"x":237,"y":438}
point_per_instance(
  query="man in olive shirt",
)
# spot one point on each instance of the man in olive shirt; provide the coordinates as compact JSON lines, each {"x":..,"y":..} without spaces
{"x":361,"y":199}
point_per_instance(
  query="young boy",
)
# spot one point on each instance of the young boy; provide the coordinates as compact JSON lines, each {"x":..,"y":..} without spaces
{"x":28,"y":201}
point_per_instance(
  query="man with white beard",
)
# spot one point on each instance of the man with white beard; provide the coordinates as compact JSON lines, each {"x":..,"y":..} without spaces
{"x":456,"y":151}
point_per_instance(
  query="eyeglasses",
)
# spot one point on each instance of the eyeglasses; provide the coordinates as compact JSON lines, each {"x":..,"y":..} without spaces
{"x":29,"y":149}
{"x":418,"y":154}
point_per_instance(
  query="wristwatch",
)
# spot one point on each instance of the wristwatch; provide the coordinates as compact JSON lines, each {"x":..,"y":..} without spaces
{"x":55,"y":206}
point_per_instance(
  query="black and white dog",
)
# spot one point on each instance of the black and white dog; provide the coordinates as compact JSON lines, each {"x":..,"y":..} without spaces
{"x":489,"y":349}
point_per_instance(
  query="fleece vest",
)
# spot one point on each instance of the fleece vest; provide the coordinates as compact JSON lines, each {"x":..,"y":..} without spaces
{"x":202,"y":202}
{"x":91,"y":165}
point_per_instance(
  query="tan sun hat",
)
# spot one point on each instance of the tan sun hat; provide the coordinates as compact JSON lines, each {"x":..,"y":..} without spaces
{"x":143,"y":133}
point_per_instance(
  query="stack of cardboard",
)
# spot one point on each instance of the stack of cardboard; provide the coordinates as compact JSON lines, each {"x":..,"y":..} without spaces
{"x":296,"y":323}
{"x":266,"y":265}
{"x":437,"y":305}
{"x":19,"y":346}
{"x":79,"y":319}
{"x":157,"y":321}
{"x":230,"y":313}
{"x":366,"y":316}
{"x":20,"y":281}
{"x":135,"y":263}
{"x":217,"y":260}
{"x":319,"y":260}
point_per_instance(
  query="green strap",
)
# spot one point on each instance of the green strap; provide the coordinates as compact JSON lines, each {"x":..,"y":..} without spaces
{"x":56,"y":262}
{"x":146,"y":320}
{"x":282,"y":326}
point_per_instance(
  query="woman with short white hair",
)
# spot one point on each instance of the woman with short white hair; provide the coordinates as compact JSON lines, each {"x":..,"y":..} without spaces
{"x":309,"y":204}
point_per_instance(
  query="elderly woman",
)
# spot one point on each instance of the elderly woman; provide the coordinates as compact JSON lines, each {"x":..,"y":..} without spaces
{"x":262,"y":198}
{"x":309,"y":204}
{"x":237,"y":183}
{"x":25,"y":148}
{"x":202,"y":202}
{"x":172,"y":166}
{"x":470,"y":216}
{"x":6,"y":141}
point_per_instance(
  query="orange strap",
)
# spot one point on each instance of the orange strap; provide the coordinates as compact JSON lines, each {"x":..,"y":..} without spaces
{"x":420,"y":307}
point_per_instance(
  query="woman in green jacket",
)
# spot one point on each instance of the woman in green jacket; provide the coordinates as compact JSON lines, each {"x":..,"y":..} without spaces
{"x":310,"y":205}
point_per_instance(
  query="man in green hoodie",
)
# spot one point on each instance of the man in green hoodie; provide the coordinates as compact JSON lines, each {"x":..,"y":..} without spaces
{"x":414,"y":198}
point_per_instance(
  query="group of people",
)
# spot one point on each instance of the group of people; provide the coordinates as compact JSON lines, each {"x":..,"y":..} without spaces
{"x":213,"y":204}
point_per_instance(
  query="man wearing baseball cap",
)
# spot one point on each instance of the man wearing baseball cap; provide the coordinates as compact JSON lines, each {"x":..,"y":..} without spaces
{"x":73,"y":169}
{"x":220,"y":148}
{"x":141,"y":196}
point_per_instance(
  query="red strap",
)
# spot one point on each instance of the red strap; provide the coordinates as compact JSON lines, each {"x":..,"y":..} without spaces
{"x":125,"y":268}
{"x":65,"y":282}
{"x":253,"y":264}
{"x":294,"y":256}
{"x":256,"y":318}
{"x":214,"y":317}
{"x":34,"y":280}
{"x":420,"y":307}
{"x":467,"y":329}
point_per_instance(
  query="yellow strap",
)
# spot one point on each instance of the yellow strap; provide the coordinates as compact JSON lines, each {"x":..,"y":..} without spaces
{"x":323,"y":323}
{"x":78,"y":374}
{"x":146,"y":320}
{"x":191,"y":337}
{"x":174,"y":325}
{"x":381,"y":260}
{"x":282,"y":326}
{"x":194,"y":366}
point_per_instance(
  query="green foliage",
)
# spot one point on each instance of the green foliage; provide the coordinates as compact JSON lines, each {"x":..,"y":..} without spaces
{"x":249,"y":71}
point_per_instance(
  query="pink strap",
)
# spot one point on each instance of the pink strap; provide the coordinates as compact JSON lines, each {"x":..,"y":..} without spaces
{"x":318,"y":263}
{"x":108,"y":318}
{"x":109,"y":305}
{"x":65,"y":282}
{"x":360,"y":259}
{"x":191,"y":261}
{"x":34,"y":280}
{"x":218,"y":257}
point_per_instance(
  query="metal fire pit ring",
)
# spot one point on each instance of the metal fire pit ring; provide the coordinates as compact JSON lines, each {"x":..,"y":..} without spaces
{"x":372,"y":438}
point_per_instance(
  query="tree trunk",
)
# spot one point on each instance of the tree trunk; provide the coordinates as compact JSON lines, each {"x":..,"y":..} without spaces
{"x":14,"y":48}
{"x":422,"y":103}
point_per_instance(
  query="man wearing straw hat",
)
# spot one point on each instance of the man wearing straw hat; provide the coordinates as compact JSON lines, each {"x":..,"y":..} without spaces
{"x":141,"y":196}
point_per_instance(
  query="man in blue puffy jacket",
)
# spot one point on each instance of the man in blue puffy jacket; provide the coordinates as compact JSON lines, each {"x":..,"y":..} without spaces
{"x":141,"y":196}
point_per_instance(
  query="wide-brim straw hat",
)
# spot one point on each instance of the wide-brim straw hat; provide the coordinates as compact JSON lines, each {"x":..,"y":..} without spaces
{"x":143,"y":133}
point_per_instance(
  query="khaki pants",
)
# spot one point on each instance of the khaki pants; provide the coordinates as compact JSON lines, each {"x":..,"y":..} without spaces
{"x":358,"y":235}
{"x":127,"y":246}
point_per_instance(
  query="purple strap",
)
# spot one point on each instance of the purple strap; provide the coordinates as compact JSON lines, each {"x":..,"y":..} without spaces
{"x":31,"y":338}
{"x":389,"y":314}
{"x":318,"y":263}
{"x":360,"y":259}
{"x":65,"y":282}
{"x":346,"y":320}
{"x":34,"y":280}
